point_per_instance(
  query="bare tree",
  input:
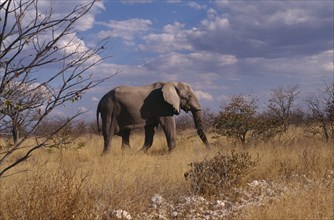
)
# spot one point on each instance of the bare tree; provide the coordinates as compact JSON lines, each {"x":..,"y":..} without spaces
{"x":321,"y":113}
{"x":22,"y":107}
{"x":282,"y":103}
{"x":267,"y":126}
{"x":40,"y":48}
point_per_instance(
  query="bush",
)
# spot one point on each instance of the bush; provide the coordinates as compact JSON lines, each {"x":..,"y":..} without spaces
{"x":267,"y":126}
{"x":237,"y":118}
{"x":219,"y":174}
{"x":66,"y":136}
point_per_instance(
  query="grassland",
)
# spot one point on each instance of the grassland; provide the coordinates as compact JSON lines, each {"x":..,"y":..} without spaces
{"x":293,"y":179}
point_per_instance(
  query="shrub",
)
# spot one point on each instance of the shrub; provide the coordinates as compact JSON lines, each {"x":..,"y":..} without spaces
{"x":237,"y":118}
{"x":219,"y":174}
{"x":267,"y":126}
{"x":63,"y":138}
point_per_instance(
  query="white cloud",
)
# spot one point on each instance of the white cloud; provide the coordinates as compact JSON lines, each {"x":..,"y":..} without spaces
{"x":218,"y":59}
{"x":68,"y":44}
{"x":55,"y":10}
{"x":202,"y":70}
{"x":306,"y":68}
{"x":58,"y":113}
{"x":82,"y":109}
{"x":328,"y":66}
{"x":197,"y":6}
{"x":174,"y":37}
{"x":62,"y":8}
{"x":203,"y":95}
{"x":125,"y":29}
{"x":199,"y":62}
{"x":328,"y":63}
{"x":95,"y":99}
{"x":290,"y":16}
{"x":263,"y":29}
{"x":215,"y":24}
{"x":87,"y":21}
{"x":132,"y":2}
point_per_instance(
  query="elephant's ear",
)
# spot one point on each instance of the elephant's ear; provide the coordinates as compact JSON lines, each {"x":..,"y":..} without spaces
{"x":170,"y":95}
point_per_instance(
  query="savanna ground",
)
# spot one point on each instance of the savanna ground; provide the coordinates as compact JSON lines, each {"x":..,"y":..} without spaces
{"x":293,"y":178}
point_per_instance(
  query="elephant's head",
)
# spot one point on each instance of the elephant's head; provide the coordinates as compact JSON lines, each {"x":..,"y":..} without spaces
{"x":181,"y":96}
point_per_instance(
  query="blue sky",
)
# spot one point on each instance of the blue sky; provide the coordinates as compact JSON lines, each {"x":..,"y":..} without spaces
{"x":221,"y":48}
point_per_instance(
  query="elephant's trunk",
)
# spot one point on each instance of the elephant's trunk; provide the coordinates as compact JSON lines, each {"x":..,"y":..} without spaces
{"x":199,"y":126}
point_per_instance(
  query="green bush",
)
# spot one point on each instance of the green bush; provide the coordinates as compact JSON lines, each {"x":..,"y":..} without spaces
{"x":237,"y":118}
{"x":220,"y":173}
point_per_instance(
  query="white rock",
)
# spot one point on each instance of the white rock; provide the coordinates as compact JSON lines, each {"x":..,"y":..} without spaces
{"x":157,"y":200}
{"x":219,"y":204}
{"x":254,"y":183}
{"x":122,"y":214}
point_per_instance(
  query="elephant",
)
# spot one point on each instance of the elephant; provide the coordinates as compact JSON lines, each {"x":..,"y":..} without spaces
{"x":127,"y":107}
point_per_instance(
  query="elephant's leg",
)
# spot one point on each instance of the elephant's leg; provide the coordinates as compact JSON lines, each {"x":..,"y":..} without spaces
{"x":126,"y":139}
{"x":169,"y":127}
{"x":149,"y":134}
{"x":107,"y":133}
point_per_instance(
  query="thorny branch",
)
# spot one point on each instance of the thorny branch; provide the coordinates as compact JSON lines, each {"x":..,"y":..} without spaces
{"x":41,"y":51}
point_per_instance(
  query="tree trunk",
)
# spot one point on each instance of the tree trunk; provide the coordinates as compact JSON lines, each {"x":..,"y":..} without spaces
{"x":15,"y":134}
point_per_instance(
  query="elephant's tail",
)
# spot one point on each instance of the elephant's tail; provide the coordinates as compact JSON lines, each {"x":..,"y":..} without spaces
{"x":97,"y":119}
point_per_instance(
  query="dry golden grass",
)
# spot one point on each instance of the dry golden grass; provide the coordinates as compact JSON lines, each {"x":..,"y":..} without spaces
{"x":314,"y":202}
{"x":82,"y":184}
